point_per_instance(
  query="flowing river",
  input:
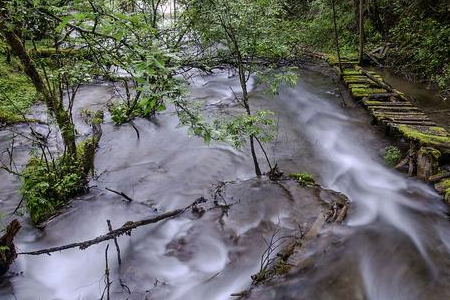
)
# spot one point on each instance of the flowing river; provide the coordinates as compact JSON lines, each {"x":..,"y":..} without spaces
{"x":395,"y":243}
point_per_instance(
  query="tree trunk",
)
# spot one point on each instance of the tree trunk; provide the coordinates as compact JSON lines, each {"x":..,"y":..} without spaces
{"x":374,"y":15}
{"x":336,"y":37}
{"x":255,"y":159}
{"x":361,"y":31}
{"x":243,"y":82}
{"x":54,"y":104}
{"x":427,"y":162}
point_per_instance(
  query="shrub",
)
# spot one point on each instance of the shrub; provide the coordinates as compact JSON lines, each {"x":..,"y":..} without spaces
{"x":392,"y":155}
{"x":48,"y":185}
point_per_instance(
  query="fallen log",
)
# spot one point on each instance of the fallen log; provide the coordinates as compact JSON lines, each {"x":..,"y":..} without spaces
{"x":125,"y":229}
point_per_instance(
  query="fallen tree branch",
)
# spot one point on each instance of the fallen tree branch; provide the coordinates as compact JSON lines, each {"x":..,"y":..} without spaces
{"x":122,"y":194}
{"x":115,"y":242}
{"x":125,"y":229}
{"x":107,"y":282}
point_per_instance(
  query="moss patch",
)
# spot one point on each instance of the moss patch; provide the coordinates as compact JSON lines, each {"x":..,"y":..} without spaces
{"x":443,"y":186}
{"x":372,"y":103}
{"x":431,"y":136}
{"x":364,"y":92}
{"x":48,"y":185}
{"x":17,"y":93}
{"x":303,"y":179}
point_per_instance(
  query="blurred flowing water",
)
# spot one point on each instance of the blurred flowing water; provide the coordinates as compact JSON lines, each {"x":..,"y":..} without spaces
{"x":395,"y":244}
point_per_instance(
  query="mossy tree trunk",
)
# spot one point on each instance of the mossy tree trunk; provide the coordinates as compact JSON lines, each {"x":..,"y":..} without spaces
{"x":53,"y":102}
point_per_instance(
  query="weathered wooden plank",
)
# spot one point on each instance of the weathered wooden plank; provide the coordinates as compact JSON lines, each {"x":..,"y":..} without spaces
{"x":406,"y":118}
{"x":365,"y":92}
{"x":381,"y":96}
{"x":399,"y":113}
{"x":394,"y":108}
{"x":418,"y":123}
{"x":390,"y":104}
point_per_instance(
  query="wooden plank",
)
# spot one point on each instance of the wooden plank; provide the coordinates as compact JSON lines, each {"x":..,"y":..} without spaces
{"x":387,"y":104}
{"x":399,"y":119}
{"x":393,"y":109}
{"x":418,"y":123}
{"x":399,"y":113}
{"x":381,"y":96}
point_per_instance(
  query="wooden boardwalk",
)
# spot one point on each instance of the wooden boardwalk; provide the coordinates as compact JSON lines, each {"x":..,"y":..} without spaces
{"x":394,"y":111}
{"x":391,"y":108}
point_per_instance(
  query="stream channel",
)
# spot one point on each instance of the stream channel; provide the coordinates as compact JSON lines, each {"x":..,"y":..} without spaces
{"x":395,"y":243}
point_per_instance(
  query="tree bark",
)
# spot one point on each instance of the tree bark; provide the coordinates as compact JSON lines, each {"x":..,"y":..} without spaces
{"x":8,"y":254}
{"x":255,"y":159}
{"x":336,"y":37}
{"x":361,"y":31}
{"x":243,"y":82}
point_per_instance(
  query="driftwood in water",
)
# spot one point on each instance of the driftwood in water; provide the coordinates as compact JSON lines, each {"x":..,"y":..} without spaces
{"x":122,"y":194}
{"x":7,"y":249}
{"x":125,"y":229}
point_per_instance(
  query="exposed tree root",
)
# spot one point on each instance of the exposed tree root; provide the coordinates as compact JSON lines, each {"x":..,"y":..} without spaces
{"x":7,"y":249}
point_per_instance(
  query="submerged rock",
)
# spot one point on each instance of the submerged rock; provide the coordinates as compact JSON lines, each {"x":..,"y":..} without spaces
{"x":262,"y":223}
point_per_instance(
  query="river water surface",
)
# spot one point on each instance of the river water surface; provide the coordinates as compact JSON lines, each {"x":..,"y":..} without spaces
{"x":395,"y":243}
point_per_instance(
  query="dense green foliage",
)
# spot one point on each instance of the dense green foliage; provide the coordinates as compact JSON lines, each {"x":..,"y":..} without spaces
{"x":392,"y":155}
{"x":418,"y":31}
{"x":49,"y":183}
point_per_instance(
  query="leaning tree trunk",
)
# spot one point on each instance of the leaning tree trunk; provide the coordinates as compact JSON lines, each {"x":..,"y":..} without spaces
{"x":54,"y":104}
{"x":247,"y":108}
